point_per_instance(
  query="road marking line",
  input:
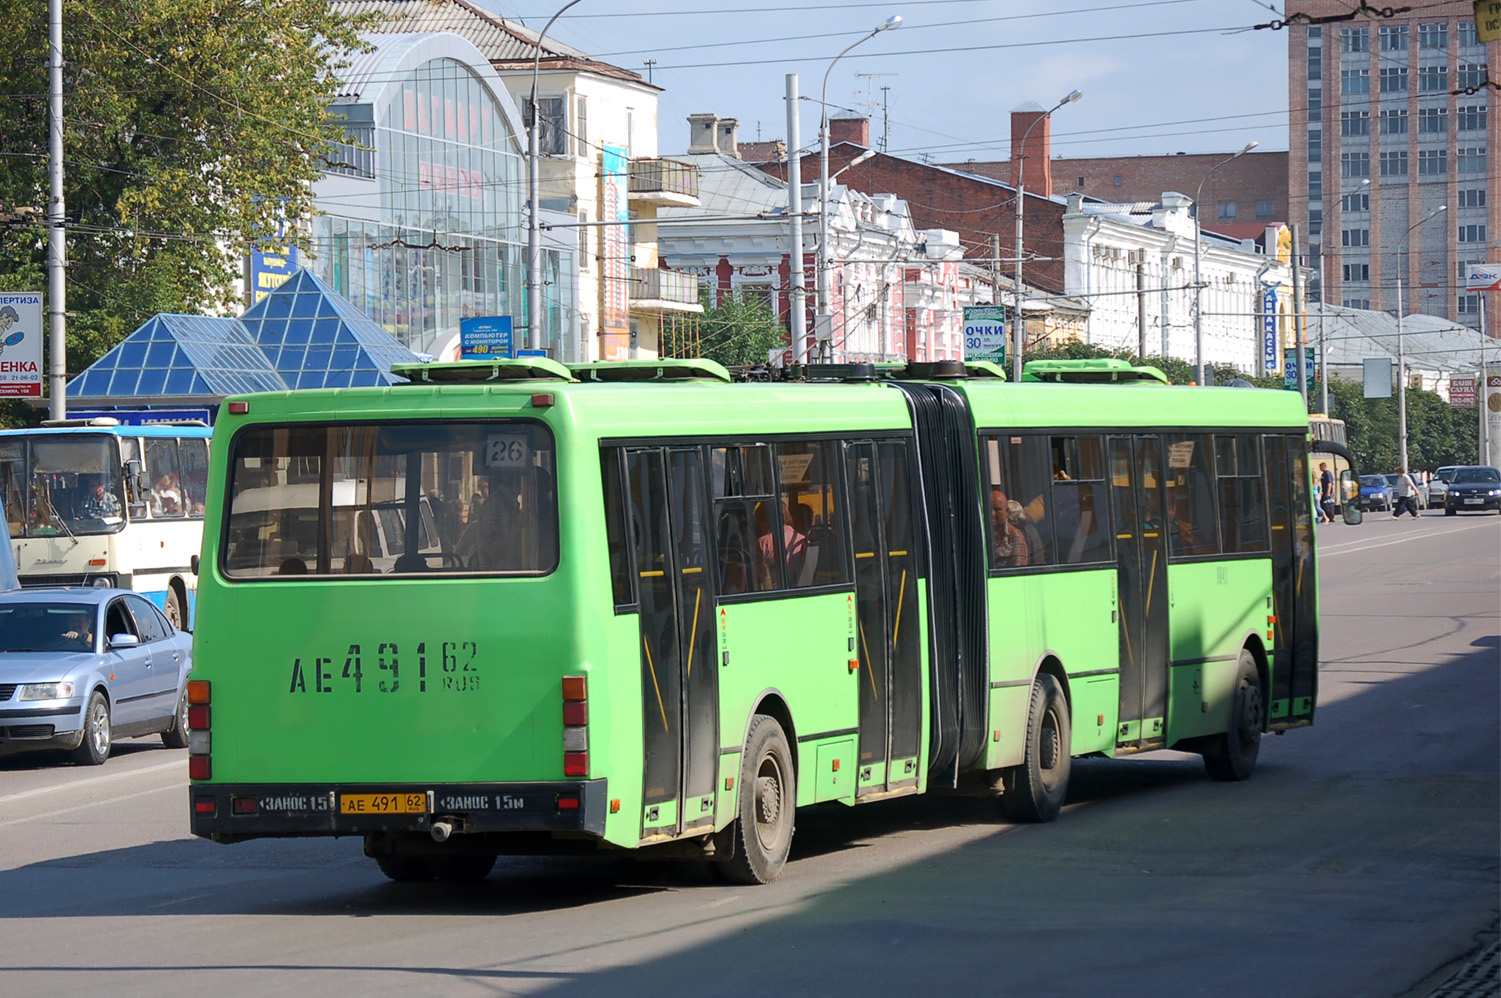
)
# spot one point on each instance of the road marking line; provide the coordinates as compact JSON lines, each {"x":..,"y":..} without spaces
{"x":85,"y":807}
{"x":43,"y":791}
{"x":1399,"y":540}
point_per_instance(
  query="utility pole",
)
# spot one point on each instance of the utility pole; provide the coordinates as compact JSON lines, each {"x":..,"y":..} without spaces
{"x":534,"y":339}
{"x":797,"y":306}
{"x":1299,"y":334}
{"x":649,"y":64}
{"x":57,"y":234}
{"x":995,"y":268}
{"x":1141,"y":308}
{"x":885,"y":117}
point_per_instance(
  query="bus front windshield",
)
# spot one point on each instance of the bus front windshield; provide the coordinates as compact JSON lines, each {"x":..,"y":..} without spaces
{"x":57,"y":485}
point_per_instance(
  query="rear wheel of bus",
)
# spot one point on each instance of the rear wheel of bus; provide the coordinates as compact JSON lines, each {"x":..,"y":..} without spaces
{"x":761,"y":835}
{"x":1035,"y":790}
{"x":1232,"y":756}
{"x":176,"y":609}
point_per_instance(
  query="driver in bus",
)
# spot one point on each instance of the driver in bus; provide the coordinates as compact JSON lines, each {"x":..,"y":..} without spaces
{"x":100,"y":502}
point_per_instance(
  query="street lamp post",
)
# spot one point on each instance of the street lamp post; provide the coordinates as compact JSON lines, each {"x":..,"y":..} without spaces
{"x":825,"y":321}
{"x":1198,"y":255}
{"x":534,"y":224}
{"x":1323,"y":317}
{"x":1401,"y":348}
{"x":1018,"y":154}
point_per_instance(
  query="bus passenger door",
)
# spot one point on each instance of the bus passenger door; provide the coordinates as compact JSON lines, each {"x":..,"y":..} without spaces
{"x":668,"y":515}
{"x":1141,"y":574}
{"x":1295,"y":642}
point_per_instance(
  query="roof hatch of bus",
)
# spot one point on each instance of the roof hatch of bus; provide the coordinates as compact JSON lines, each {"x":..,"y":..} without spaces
{"x":480,"y":371}
{"x":691,"y":369}
{"x":1103,"y":370}
{"x":52,"y":424}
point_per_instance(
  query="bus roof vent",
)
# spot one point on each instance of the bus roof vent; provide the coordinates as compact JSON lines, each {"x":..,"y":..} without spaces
{"x":841,"y":372}
{"x":91,"y":421}
{"x":986,"y":369}
{"x":1101,"y":370}
{"x":469,"y":372}
{"x":692,"y":369}
{"x":934,"y":370}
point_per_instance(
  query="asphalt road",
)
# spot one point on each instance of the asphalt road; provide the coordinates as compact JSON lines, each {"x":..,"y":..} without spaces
{"x":1362,"y":859}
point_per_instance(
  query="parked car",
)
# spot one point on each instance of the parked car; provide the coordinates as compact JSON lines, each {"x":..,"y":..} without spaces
{"x":1376,"y":492}
{"x":80,"y":668}
{"x":1473,"y":489}
{"x":1440,"y":483}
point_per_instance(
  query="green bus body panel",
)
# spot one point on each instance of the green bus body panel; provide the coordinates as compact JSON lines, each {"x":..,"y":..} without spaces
{"x":1048,"y":406}
{"x":1066,"y":615}
{"x":1213,"y":606}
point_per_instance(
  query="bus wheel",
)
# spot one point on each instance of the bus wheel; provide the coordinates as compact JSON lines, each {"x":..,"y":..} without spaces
{"x":768,"y":796}
{"x":175,"y":610}
{"x":94,"y":748}
{"x":1232,"y":756}
{"x":405,"y":869}
{"x":462,"y":868}
{"x":1035,"y":790}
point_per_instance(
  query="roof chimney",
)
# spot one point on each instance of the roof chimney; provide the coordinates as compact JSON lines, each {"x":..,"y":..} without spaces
{"x":1031,"y":159}
{"x":850,"y":128}
{"x":703,"y":134}
{"x":729,"y":137}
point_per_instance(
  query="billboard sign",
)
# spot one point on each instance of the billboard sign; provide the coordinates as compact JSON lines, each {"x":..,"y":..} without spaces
{"x":485,"y":337}
{"x":270,"y":266}
{"x":1483,"y":276}
{"x":21,"y":344}
{"x":1376,"y":374}
{"x":1290,"y":370}
{"x":1269,"y":343}
{"x":1488,"y":20}
{"x":615,"y":237}
{"x":985,"y":333}
{"x":145,"y":417}
{"x":1462,"y":392}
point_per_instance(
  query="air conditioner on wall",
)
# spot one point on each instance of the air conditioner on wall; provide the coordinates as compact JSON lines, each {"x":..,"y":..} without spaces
{"x":1137,"y":256}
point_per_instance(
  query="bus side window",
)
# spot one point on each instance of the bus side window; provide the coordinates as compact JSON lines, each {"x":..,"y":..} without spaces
{"x":194,"y":454}
{"x":813,"y":532}
{"x":1022,"y":464}
{"x":1191,"y":495}
{"x":1081,"y":505}
{"x":615,"y":535}
{"x":1242,"y":494}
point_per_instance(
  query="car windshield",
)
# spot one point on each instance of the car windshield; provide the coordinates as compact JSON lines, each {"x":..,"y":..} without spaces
{"x":1390,"y":479}
{"x":1472,"y":475}
{"x":1373,"y":481}
{"x":75,"y":484}
{"x":46,"y":627}
{"x":1445,"y":474}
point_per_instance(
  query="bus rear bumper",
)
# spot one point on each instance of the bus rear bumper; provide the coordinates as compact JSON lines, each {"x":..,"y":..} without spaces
{"x":230,"y":812}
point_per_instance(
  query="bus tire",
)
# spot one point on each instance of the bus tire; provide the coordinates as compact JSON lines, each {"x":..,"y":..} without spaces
{"x":1036,"y":789}
{"x":176,"y":608}
{"x":405,"y":869}
{"x":762,"y":830}
{"x":1231,"y":757}
{"x":462,"y":868}
{"x":94,"y":748}
{"x":177,"y":735}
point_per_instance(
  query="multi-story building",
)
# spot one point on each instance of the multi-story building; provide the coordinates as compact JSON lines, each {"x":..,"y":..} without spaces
{"x":600,"y":185}
{"x":1392,"y":117}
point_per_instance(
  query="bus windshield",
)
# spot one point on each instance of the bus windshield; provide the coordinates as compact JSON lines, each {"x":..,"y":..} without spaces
{"x":391,"y":499}
{"x":75,"y":485}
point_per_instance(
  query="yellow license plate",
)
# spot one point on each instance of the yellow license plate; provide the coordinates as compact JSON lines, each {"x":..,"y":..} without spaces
{"x":383,"y":803}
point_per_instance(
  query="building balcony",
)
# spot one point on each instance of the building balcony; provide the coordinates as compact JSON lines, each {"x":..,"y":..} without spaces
{"x":658,"y":291}
{"x":664,"y":182}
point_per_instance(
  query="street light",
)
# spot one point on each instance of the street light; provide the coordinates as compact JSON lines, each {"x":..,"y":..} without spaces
{"x":1198,"y":255}
{"x":1018,"y":154}
{"x":534,"y":225}
{"x":1323,"y":306}
{"x":1401,"y":351}
{"x":824,"y":324}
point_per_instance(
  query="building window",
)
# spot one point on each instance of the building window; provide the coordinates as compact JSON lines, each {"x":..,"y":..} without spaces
{"x":1433,"y":36}
{"x":1356,"y":202}
{"x":1357,"y":303}
{"x":1394,"y":122}
{"x":585,"y":232}
{"x":1470,"y":76}
{"x":1267,"y":209}
{"x":1356,"y":272}
{"x":1433,"y":120}
{"x":1433,"y":162}
{"x":1315,"y":186}
{"x":1315,"y":64}
{"x":1470,"y":160}
{"x":1315,"y":34}
{"x":1315,"y":105}
{"x":1315,"y":218}
{"x":552,"y":140}
{"x":581,"y":126}
{"x":630,"y":133}
{"x":1117,"y":180}
{"x":1394,"y":38}
{"x":1227,"y":210}
{"x":1469,"y":304}
{"x":1470,"y":118}
{"x":1081,"y":182}
{"x":1315,"y":145}
{"x":1432,"y":79}
{"x":1355,"y":123}
{"x":1354,"y":164}
{"x":1467,"y":34}
{"x":1355,"y":39}
{"x":1473,"y":197}
{"x":1394,"y":164}
{"x":1393,"y":80}
{"x":1354,"y":238}
{"x":1354,"y":81}
{"x":1472,"y":233}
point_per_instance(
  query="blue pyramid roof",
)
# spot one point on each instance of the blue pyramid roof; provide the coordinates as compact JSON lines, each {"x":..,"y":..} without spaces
{"x":301,"y":335}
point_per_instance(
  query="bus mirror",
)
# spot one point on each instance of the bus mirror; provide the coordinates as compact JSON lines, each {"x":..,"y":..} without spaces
{"x":193,"y":564}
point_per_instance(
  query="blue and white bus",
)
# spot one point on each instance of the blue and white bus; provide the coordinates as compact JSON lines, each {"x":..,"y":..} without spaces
{"x":91,"y":502}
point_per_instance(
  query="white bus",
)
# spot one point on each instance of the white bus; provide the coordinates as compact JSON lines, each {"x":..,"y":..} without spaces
{"x":90,"y":502}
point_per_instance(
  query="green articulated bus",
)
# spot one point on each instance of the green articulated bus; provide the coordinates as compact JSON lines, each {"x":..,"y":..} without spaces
{"x":512,"y":607}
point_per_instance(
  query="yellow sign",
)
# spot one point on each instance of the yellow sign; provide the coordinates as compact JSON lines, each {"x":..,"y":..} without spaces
{"x":1488,"y":20}
{"x":1284,"y":244}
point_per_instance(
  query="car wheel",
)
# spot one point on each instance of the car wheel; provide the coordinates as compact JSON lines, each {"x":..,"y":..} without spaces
{"x":1450,"y":511}
{"x":94,"y":748}
{"x":177,"y":735}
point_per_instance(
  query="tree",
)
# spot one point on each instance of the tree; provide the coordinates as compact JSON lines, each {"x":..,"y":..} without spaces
{"x":740,"y":330}
{"x":193,"y":131}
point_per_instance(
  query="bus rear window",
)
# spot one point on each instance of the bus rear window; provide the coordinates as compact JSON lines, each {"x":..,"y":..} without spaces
{"x":391,"y":499}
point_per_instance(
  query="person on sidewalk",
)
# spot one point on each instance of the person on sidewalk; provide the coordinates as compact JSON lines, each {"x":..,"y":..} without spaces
{"x":1407,"y":495}
{"x":1326,"y":493}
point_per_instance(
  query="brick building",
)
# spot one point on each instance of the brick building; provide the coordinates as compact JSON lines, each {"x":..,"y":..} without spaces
{"x":1390,"y":118}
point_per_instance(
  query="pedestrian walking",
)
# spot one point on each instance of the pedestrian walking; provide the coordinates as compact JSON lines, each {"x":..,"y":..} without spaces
{"x":1326,"y":493}
{"x":1407,"y":495}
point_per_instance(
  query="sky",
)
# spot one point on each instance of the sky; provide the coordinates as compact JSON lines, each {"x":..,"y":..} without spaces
{"x":1158,"y":76}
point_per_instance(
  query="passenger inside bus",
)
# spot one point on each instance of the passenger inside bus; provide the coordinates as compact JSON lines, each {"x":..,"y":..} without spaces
{"x":1011,"y":544}
{"x":358,"y":564}
{"x":166,"y":497}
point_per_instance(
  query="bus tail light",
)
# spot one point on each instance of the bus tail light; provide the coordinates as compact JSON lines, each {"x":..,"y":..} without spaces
{"x":199,"y":767}
{"x":575,"y":726}
{"x":574,"y":763}
{"x":198,"y":691}
{"x":199,"y":740}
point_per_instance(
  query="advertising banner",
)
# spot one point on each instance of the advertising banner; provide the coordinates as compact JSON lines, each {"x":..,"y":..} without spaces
{"x":1269,"y":343}
{"x":1483,"y":276}
{"x":270,"y":266}
{"x":485,"y":337}
{"x":21,"y":344}
{"x":1290,"y":368}
{"x":1376,"y":376}
{"x":985,"y":333}
{"x":1462,"y":392}
{"x":614,"y":268}
{"x":144,"y":417}
{"x":1488,"y":20}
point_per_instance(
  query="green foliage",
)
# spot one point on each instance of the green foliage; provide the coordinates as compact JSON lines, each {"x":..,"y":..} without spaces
{"x":192,"y":131}
{"x":740,"y":330}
